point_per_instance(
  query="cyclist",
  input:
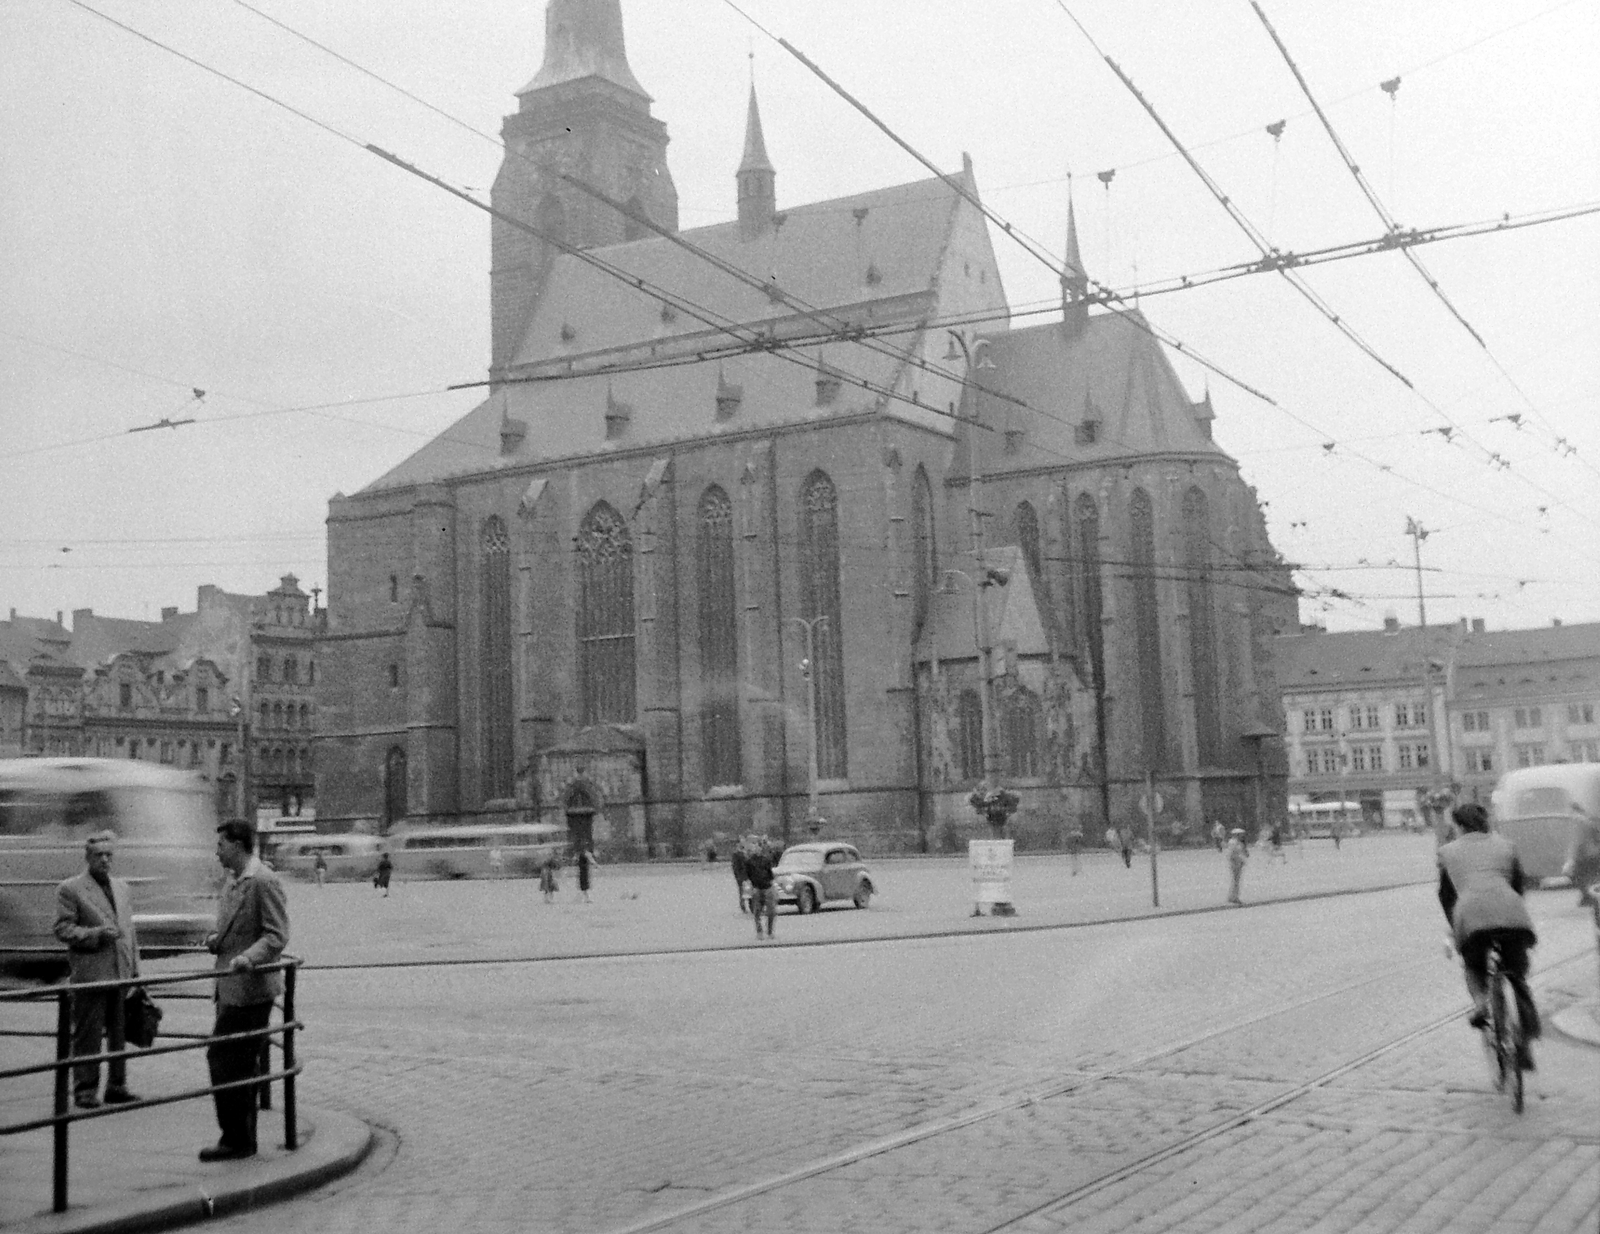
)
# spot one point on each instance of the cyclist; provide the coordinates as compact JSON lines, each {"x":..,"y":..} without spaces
{"x":1480,"y":888}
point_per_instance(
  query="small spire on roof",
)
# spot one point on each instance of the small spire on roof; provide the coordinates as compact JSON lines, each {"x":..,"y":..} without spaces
{"x":756,"y":177}
{"x":1074,"y":279}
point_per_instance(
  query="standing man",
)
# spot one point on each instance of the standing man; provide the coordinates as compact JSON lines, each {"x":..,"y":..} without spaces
{"x":1219,"y":834}
{"x":94,"y":918}
{"x":736,"y":864}
{"x":252,"y":930}
{"x":763,"y":897}
{"x":1238,"y":854}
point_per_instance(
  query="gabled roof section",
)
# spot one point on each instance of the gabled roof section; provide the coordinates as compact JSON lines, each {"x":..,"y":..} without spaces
{"x":1359,"y":659}
{"x":872,"y":257}
{"x":1111,"y":371}
{"x":1543,"y":645}
{"x":1011,"y":612}
{"x":98,"y":639}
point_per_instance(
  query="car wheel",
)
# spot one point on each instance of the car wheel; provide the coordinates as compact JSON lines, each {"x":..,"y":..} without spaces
{"x":863,"y":894}
{"x":805,"y":901}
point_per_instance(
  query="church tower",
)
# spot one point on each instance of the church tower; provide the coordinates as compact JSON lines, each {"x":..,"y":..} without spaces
{"x":585,"y":115}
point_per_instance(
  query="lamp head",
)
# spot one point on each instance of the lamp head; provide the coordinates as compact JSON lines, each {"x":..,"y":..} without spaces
{"x":994,"y":576}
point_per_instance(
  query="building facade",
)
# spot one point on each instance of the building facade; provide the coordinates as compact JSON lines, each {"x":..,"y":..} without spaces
{"x":1409,"y":720}
{"x":668,"y":558}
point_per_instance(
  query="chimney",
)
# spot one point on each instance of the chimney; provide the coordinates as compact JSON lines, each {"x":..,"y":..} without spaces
{"x":1391,"y":624}
{"x":169,"y":612}
{"x":1477,"y":625}
{"x":13,"y":614}
{"x":59,"y":616}
{"x":1556,"y":622}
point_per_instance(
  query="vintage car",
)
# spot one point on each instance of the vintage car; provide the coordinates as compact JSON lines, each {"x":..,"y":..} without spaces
{"x":809,"y":875}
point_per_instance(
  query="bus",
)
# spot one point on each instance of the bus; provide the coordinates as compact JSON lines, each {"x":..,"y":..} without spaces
{"x":509,"y":850}
{"x":1321,"y":819}
{"x":273,"y":831}
{"x":165,"y":821}
{"x":350,"y":856}
{"x":1541,"y":809}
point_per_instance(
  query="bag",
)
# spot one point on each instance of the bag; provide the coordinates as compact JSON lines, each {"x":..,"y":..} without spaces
{"x":141,"y":1018}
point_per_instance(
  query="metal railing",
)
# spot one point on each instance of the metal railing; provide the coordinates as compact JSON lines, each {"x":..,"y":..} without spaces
{"x":65,"y":996}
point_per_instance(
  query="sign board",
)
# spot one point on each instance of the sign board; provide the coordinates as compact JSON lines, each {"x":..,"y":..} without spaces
{"x":990,"y":861}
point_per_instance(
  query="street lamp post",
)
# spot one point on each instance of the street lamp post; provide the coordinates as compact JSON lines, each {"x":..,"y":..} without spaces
{"x":808,"y":669}
{"x":1258,"y":735}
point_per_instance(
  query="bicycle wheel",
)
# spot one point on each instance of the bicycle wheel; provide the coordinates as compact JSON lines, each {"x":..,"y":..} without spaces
{"x":1511,"y":1051}
{"x":1499,"y":1030}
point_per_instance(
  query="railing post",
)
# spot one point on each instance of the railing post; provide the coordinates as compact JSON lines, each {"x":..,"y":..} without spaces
{"x":291,"y":1136}
{"x":64,"y":1010}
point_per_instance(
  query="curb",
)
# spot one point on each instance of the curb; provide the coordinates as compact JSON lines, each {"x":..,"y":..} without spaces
{"x":1579,"y":1023}
{"x":333,"y":1144}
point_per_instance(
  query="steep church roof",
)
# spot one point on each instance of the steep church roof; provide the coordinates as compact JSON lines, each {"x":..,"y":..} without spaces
{"x":886,"y":248}
{"x":583,"y":38}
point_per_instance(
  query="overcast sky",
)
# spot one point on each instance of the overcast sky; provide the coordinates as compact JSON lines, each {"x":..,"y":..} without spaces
{"x":162,"y":231}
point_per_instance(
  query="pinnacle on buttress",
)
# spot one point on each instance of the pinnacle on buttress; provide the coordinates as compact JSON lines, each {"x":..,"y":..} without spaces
{"x":1074,"y":279}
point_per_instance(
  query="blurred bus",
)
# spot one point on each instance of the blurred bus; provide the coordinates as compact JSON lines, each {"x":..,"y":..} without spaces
{"x":1540,"y":810}
{"x":510,"y":850}
{"x":1320,"y":819}
{"x":271,"y":832}
{"x":165,"y":822}
{"x":349,"y":856}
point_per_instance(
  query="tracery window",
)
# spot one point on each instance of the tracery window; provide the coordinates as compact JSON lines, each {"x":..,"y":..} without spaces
{"x":969,"y":735}
{"x":1086,"y":583}
{"x":1028,"y":539}
{"x":394,"y":787}
{"x":605,"y":618}
{"x":494,"y":658}
{"x":1147,"y":626}
{"x":819,"y":597}
{"x":1023,"y":717}
{"x":925,"y":569}
{"x":1202,"y":625}
{"x":719,"y":640}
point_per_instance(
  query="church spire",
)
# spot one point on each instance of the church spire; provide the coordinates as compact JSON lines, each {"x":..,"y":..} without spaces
{"x":583,"y":38}
{"x":756,"y":177}
{"x":1074,"y":279}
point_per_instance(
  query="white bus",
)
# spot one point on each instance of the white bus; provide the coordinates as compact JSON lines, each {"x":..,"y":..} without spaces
{"x":509,"y":850}
{"x":1540,"y":809}
{"x":166,"y":825}
{"x":1320,"y":819}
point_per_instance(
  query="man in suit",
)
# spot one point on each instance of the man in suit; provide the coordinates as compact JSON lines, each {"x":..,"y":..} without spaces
{"x":252,"y":930}
{"x":94,"y":918}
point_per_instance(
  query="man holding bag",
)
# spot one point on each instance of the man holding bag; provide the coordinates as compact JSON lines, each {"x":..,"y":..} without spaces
{"x":94,"y":918}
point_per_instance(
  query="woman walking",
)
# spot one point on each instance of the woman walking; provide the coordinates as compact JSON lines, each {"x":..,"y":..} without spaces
{"x":586,"y":859}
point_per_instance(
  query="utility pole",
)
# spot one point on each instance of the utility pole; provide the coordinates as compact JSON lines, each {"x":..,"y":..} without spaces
{"x":1438,"y":722}
{"x":808,"y":670}
{"x":1418,"y":534}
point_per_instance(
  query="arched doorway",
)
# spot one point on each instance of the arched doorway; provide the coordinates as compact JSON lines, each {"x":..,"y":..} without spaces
{"x":580,"y":818}
{"x":394,"y":787}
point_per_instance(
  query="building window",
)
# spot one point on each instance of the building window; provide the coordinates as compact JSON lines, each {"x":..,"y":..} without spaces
{"x":1585,"y":752}
{"x":1023,"y":720}
{"x":494,"y":658}
{"x":1147,"y":628}
{"x":1480,"y":760}
{"x":277,"y":715}
{"x":1027,"y":520}
{"x":311,"y":672}
{"x":1325,"y":719}
{"x":1580,"y":713}
{"x":1358,"y":758}
{"x":133,"y":747}
{"x":605,"y":618}
{"x":1402,"y":715}
{"x":394,"y":589}
{"x":1372,"y":717}
{"x":1308,"y":719}
{"x":819,"y":597}
{"x":266,"y":715}
{"x":394,"y":787}
{"x":925,"y":569}
{"x":1424,"y":758}
{"x":1375,"y":757}
{"x":1469,"y":721}
{"x":1202,"y":626}
{"x":166,"y":752}
{"x":1404,"y":753}
{"x":264,"y":668}
{"x":1419,"y":715}
{"x":202,"y":699}
{"x":224,"y":753}
{"x":1355,"y":717}
{"x":1530,"y":755}
{"x":305,"y":715}
{"x":969,"y":735}
{"x":394,"y":676}
{"x":1086,"y":584}
{"x":719,"y":641}
{"x":125,"y":695}
{"x":291,"y":671}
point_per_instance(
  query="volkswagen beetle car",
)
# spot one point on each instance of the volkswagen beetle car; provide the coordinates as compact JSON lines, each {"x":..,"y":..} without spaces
{"x":809,"y":875}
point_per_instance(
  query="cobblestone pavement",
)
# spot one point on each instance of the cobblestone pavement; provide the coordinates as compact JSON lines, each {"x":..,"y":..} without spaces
{"x":1099,"y":1078}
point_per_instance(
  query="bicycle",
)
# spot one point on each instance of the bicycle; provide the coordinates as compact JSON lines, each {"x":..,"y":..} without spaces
{"x":1503,"y":1035}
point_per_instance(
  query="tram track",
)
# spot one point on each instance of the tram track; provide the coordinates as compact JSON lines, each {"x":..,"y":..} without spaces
{"x":1080,"y":1082}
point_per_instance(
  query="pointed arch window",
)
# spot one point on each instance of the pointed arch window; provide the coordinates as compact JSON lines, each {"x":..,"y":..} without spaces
{"x":1023,"y":717}
{"x":719,"y":640}
{"x":1202,"y":624}
{"x":1147,"y":626}
{"x":1086,"y":584}
{"x":925,"y":569}
{"x":969,"y":735}
{"x":1027,"y":521}
{"x":605,"y":618}
{"x":819,"y":597}
{"x":394,"y":787}
{"x":494,"y":657}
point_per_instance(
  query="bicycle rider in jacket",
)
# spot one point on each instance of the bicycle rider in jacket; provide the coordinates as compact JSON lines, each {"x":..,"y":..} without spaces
{"x":1480,"y":888}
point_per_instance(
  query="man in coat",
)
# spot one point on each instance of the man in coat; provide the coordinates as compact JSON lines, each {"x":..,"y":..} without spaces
{"x":1238,"y":854}
{"x":252,"y":930}
{"x":94,"y":918}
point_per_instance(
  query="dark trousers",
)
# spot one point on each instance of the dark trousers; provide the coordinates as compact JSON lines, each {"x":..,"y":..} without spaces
{"x":1513,"y":963}
{"x":237,"y":1060}
{"x":97,"y":1014}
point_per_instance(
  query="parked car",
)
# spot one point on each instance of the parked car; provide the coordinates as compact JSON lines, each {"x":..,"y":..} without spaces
{"x":809,"y":875}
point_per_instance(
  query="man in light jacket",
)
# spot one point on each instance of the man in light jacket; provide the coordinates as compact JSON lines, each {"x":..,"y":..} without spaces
{"x":94,"y":918}
{"x":252,"y":930}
